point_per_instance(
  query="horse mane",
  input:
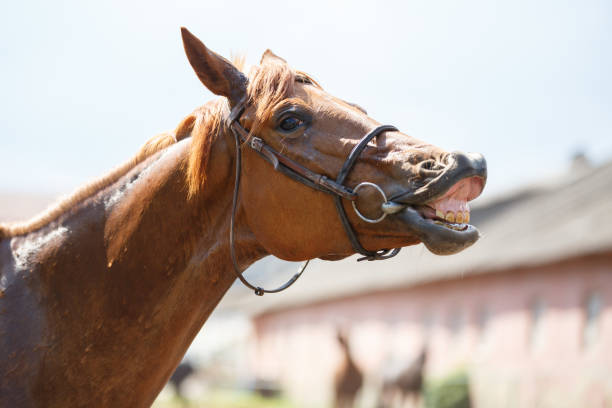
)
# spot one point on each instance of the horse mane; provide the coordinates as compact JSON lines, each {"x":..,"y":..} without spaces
{"x":152,"y":146}
{"x":269,"y":84}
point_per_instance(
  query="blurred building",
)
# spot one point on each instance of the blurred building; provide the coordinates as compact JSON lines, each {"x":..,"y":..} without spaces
{"x":526,"y":312}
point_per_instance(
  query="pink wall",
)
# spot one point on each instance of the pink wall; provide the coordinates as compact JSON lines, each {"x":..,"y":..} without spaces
{"x":483,"y":323}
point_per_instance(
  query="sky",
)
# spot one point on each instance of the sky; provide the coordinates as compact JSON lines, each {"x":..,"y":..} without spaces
{"x":527,"y":83}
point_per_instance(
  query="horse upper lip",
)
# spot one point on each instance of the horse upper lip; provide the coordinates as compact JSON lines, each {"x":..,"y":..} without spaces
{"x":459,"y":166}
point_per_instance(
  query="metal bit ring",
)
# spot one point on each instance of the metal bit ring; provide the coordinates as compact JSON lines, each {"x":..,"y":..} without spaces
{"x":360,"y":215}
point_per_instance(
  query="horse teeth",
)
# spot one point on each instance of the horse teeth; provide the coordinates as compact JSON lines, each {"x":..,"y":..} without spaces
{"x":459,"y":217}
{"x":450,"y":217}
{"x":453,"y":211}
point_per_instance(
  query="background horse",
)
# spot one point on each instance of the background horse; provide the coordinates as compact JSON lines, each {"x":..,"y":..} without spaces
{"x":348,"y":379}
{"x":178,"y":377}
{"x":407,"y":385}
{"x":101,"y":295}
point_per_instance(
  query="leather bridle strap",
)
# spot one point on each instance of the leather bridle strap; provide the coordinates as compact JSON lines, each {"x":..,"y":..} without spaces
{"x":305,"y":176}
{"x":292,"y":168}
{"x":259,"y":291}
{"x":344,"y":171}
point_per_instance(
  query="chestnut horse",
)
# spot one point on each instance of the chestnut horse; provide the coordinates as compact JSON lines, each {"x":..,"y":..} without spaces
{"x":101,"y":295}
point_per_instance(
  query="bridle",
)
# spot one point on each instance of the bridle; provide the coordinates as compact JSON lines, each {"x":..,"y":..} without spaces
{"x":297,"y":172}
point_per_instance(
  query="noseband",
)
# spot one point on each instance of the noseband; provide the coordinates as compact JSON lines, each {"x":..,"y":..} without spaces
{"x":297,"y":172}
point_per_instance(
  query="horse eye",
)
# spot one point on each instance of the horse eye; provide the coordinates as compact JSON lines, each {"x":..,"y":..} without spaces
{"x":290,"y":123}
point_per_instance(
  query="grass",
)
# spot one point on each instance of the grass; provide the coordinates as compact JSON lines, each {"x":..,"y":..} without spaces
{"x":225,"y":399}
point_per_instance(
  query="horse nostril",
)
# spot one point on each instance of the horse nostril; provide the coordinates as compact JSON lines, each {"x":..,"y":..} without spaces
{"x":428,"y":165}
{"x":429,"y":168}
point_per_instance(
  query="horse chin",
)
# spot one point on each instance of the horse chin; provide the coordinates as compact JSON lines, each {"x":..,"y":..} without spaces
{"x":441,"y":238}
{"x":334,"y":257}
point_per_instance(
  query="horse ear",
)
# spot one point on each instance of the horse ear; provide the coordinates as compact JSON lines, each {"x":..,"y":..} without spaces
{"x":215,"y":72}
{"x":269,"y":56}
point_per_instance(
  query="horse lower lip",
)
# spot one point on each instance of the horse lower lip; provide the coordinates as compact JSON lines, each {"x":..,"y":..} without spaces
{"x":439,"y":238}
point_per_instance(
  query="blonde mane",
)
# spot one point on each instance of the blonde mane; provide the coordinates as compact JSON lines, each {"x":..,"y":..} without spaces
{"x":269,"y":84}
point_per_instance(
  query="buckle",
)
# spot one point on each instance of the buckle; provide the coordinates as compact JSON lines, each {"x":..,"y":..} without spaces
{"x":256,"y":143}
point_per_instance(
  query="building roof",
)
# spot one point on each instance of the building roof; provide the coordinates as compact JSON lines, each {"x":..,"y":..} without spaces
{"x":535,"y":225}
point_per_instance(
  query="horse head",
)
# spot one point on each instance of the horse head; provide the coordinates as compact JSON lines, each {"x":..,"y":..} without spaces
{"x":398,"y":190}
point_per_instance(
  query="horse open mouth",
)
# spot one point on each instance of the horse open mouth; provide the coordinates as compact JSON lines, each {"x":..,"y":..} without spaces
{"x":442,"y":224}
{"x":438,"y":212}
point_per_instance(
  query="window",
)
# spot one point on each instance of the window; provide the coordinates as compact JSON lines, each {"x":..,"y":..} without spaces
{"x":483,"y":317}
{"x":455,"y":322}
{"x":428,"y":322}
{"x":537,"y":310}
{"x":592,"y":312}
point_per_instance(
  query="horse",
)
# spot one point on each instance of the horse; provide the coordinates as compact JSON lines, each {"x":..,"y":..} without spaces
{"x":407,"y":385}
{"x":348,"y":378}
{"x":180,"y":374}
{"x":101,"y":295}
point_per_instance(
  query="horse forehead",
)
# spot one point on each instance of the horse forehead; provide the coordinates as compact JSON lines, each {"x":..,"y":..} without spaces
{"x":332,"y":106}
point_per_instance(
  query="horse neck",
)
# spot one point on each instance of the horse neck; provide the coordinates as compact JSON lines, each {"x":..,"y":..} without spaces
{"x":129,"y":278}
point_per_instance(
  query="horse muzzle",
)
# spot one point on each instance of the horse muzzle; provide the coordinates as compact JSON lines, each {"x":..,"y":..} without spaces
{"x":437,"y":212}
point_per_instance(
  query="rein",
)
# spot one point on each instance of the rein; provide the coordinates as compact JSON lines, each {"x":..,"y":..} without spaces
{"x":297,"y":172}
